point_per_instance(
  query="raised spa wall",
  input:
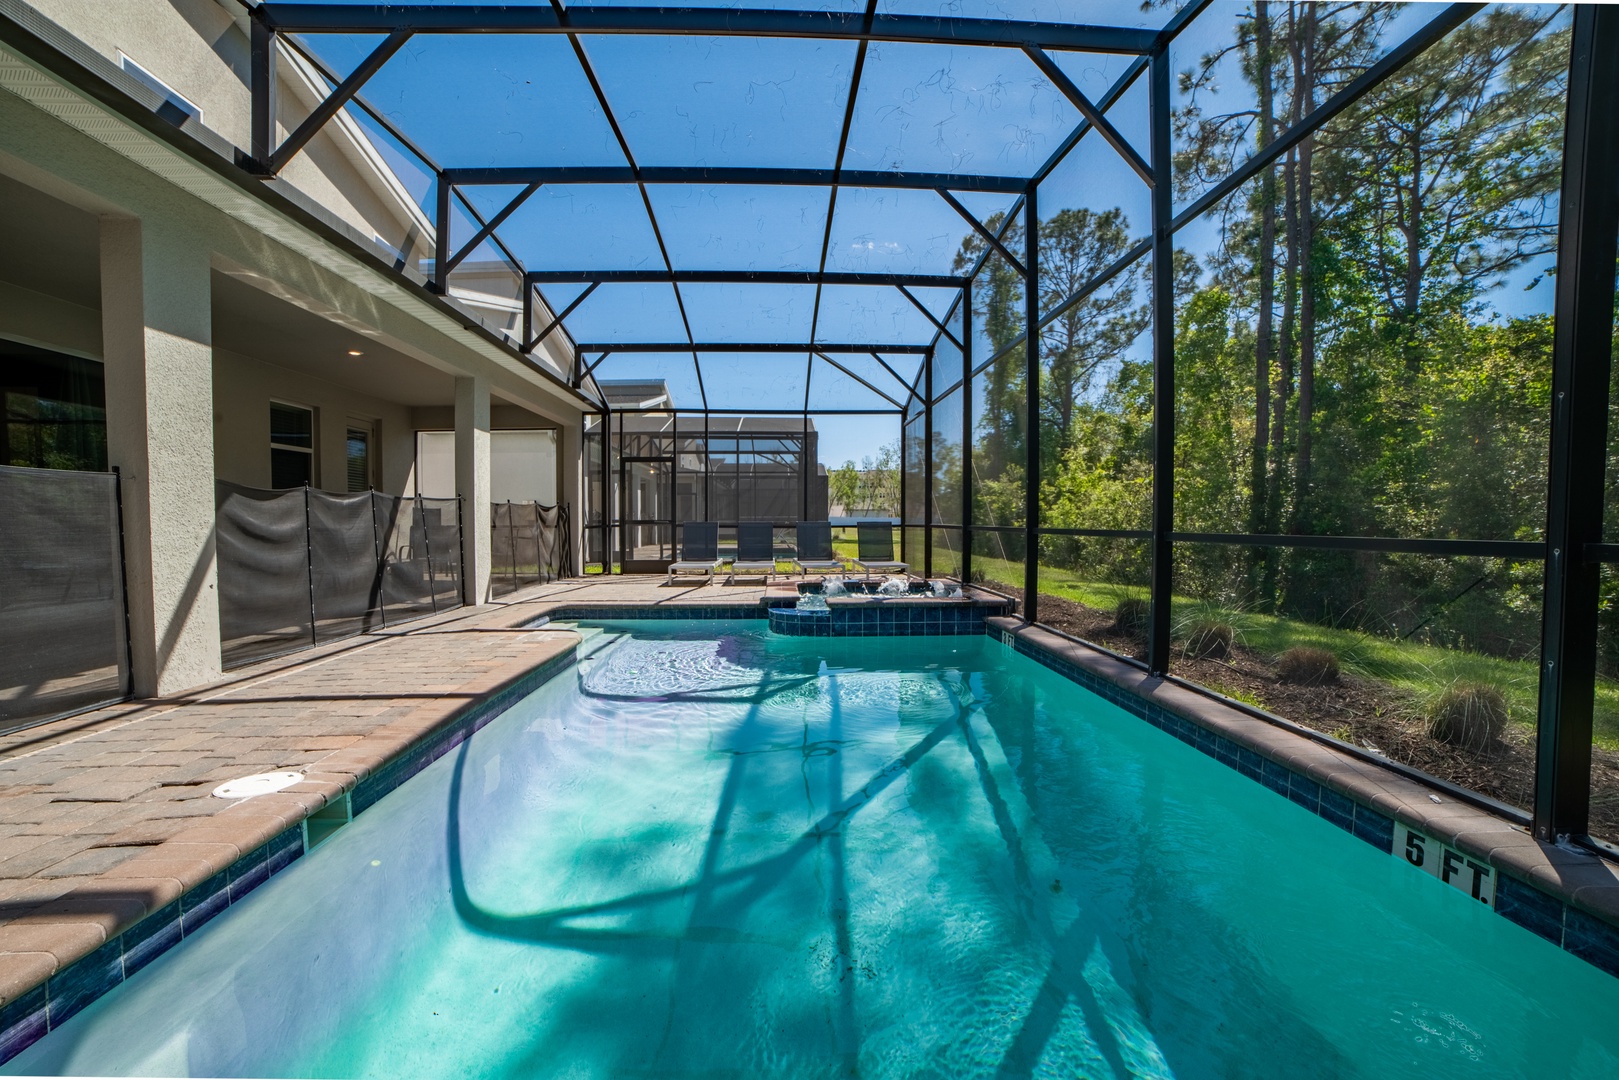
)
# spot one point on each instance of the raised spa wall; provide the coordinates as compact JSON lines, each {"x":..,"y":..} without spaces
{"x":1565,"y":895}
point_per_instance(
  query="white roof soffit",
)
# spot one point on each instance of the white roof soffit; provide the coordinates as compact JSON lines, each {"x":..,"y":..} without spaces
{"x":54,"y":72}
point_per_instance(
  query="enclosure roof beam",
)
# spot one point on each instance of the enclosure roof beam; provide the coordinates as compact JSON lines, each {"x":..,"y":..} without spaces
{"x":747,"y":347}
{"x":701,"y":174}
{"x":747,"y":277}
{"x":703,"y":22}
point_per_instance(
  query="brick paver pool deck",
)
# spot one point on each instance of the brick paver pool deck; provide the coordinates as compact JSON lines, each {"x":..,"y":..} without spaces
{"x":109,"y":815}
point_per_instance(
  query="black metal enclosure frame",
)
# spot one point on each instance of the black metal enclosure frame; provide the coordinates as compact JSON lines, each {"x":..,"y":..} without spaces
{"x":1572,"y":552}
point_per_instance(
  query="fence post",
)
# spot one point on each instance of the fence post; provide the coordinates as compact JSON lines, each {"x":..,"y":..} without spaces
{"x":123,"y":580}
{"x":309,"y":564}
{"x":427,"y":546}
{"x":511,"y":526}
{"x":376,"y":548}
{"x":543,"y":562}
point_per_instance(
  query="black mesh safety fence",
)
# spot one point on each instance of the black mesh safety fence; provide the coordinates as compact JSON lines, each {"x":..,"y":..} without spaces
{"x":264,"y":588}
{"x":441,"y":530}
{"x":345,"y":587}
{"x":404,"y":570}
{"x":530,"y":543}
{"x":62,"y":624}
{"x":302,"y":567}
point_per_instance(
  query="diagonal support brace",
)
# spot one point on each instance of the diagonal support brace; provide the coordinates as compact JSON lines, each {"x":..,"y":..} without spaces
{"x":1090,"y":112}
{"x":489,"y":227}
{"x":989,"y":237}
{"x":336,"y":100}
{"x":942,"y":328}
{"x":857,"y":379}
{"x":529,"y":346}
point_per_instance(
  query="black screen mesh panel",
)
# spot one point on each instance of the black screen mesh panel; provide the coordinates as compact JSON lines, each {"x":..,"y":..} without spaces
{"x":61,"y":594}
{"x":263,"y":540}
{"x":442,"y":521}
{"x":511,"y":543}
{"x":556,"y":541}
{"x":529,"y":545}
{"x":343,"y":564}
{"x":302,"y":567}
{"x":406,"y":571}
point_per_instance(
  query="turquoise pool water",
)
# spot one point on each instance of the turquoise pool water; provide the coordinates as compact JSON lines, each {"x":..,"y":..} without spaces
{"x":711,"y":851}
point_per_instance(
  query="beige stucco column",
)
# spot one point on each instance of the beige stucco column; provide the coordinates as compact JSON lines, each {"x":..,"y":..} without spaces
{"x":472,"y":484}
{"x":157,"y":338}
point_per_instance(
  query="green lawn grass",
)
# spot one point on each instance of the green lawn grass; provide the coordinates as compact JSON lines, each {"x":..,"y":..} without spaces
{"x":1424,"y":671}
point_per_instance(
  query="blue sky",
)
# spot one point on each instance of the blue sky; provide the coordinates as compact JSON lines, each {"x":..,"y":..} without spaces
{"x":492,"y":100}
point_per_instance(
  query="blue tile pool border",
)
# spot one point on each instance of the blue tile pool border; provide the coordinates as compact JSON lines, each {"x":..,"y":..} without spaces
{"x":885,"y":620}
{"x":32,"y":1015}
{"x":1578,"y":932}
{"x":630,"y":612}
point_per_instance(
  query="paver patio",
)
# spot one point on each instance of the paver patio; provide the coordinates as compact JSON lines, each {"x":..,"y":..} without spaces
{"x":109,"y":815}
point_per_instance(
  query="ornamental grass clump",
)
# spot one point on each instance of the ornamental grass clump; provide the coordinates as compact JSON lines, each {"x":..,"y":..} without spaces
{"x":1209,"y":639}
{"x":1471,"y":716}
{"x":1131,"y":615}
{"x":1306,"y":665}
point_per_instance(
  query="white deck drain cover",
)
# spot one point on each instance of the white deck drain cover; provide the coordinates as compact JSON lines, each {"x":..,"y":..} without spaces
{"x":258,"y":784}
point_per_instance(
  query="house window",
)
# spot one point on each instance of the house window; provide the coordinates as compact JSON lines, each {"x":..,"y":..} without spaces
{"x":359,"y":459}
{"x":54,"y":410}
{"x":292,"y":445}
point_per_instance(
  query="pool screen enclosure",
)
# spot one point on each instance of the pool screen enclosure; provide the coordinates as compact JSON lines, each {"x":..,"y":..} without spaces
{"x":1298,"y":310}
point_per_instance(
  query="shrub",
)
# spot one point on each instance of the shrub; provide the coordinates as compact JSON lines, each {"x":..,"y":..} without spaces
{"x":1209,"y":639}
{"x":1307,"y":666}
{"x":1471,"y":716}
{"x":1131,"y":615}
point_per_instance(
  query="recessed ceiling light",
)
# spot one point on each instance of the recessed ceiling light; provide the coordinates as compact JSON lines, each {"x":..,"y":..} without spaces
{"x":354,"y":352}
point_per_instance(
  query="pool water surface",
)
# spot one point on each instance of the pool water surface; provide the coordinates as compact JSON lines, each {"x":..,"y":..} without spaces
{"x":708,"y":850}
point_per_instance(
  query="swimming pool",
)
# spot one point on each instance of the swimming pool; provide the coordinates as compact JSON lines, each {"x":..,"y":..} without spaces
{"x":711,"y":850}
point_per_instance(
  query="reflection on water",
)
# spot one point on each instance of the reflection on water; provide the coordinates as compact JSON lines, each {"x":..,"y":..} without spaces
{"x":755,"y":855}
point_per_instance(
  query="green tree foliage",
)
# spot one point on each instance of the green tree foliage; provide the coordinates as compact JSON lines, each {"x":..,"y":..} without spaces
{"x":1349,"y":360}
{"x":873,"y":485}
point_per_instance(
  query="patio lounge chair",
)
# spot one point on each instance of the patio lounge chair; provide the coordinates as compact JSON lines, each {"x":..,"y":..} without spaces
{"x":877,"y":549}
{"x":755,"y":551}
{"x":699,"y":550}
{"x":815,"y":548}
